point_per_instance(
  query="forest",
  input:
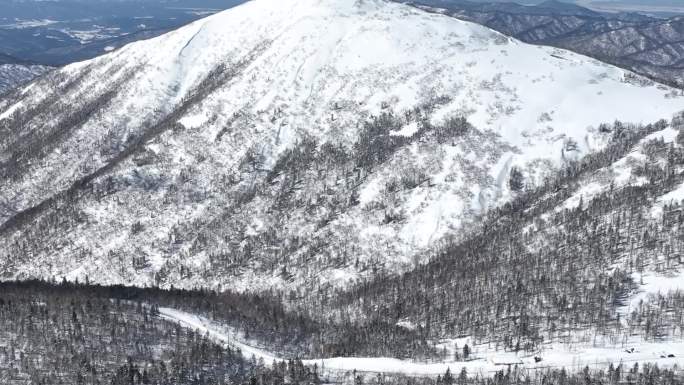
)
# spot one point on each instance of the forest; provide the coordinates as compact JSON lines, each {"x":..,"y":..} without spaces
{"x":534,"y":273}
{"x":530,"y":273}
{"x":69,"y":333}
{"x":74,"y":334}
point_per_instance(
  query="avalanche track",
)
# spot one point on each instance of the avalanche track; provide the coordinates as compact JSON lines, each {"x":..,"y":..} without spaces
{"x":486,"y":363}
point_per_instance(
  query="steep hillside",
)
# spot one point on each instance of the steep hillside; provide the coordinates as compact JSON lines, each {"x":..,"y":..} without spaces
{"x":589,"y":262}
{"x":652,"y":47}
{"x":59,"y":334}
{"x":15,"y":72}
{"x":291,"y":144}
{"x":14,"y":75}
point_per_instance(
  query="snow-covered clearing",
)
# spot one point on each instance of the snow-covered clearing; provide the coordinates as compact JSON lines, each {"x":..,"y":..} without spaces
{"x":486,"y":362}
{"x":216,"y":332}
{"x":654,"y":284}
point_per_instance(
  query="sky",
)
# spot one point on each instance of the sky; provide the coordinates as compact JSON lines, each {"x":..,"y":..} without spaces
{"x":655,"y":6}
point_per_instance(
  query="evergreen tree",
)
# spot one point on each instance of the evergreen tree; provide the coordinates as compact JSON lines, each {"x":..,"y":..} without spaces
{"x":516,"y":181}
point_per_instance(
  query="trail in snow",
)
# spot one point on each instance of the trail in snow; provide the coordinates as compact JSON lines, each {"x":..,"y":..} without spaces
{"x":488,"y":361}
{"x":217,"y":333}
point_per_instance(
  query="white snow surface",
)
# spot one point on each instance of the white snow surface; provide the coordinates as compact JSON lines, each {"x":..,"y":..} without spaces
{"x":313,"y":68}
{"x":215,"y":331}
{"x":486,"y":360}
{"x":652,"y":284}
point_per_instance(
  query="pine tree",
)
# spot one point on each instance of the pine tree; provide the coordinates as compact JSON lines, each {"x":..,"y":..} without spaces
{"x":463,"y":377}
{"x":516,"y":181}
{"x":448,"y":379}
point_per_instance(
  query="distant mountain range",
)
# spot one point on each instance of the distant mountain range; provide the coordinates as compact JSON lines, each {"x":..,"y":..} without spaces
{"x":658,"y":8}
{"x":649,"y":46}
{"x":8,"y":59}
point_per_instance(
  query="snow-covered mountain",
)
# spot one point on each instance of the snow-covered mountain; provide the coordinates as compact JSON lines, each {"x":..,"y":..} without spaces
{"x":290,"y":144}
{"x":650,"y":46}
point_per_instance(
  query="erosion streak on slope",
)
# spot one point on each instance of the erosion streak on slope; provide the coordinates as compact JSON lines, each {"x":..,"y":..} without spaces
{"x":166,"y":123}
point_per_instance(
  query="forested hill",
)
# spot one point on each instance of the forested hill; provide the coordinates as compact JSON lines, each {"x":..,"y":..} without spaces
{"x":15,"y":75}
{"x":448,"y":190}
{"x":649,"y":46}
{"x":59,"y":334}
{"x":594,"y":256}
{"x":268,"y":146}
{"x":76,"y":335}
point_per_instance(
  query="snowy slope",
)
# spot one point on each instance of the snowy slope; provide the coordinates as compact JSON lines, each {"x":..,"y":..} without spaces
{"x":486,"y":361}
{"x":160,"y":172}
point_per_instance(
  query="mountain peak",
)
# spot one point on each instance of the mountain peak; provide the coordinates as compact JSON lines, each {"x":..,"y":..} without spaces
{"x":241,"y":145}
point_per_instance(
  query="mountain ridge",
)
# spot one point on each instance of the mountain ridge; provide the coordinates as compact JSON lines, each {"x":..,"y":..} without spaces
{"x":189,"y":165}
{"x":649,"y":46}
